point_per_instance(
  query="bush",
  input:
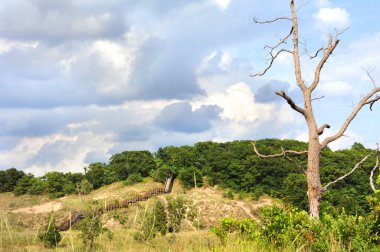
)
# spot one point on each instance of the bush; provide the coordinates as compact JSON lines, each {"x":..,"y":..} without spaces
{"x":153,"y":222}
{"x":85,"y":187}
{"x":134,"y":178}
{"x":176,"y":213}
{"x":91,"y":227}
{"x":294,"y":229}
{"x":50,"y":236}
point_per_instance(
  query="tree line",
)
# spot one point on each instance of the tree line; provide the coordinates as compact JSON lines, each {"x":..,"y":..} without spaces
{"x":230,"y":165}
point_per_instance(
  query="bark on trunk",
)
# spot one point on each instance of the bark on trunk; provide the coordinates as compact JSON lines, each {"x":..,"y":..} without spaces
{"x":313,"y":177}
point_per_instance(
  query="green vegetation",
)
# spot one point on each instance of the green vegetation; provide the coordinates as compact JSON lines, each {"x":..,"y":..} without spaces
{"x":280,"y":229}
{"x":231,"y":165}
{"x":350,"y":212}
{"x":50,"y":235}
{"x":91,"y":227}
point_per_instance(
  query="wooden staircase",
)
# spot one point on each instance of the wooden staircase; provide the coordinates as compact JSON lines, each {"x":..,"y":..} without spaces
{"x":67,"y":224}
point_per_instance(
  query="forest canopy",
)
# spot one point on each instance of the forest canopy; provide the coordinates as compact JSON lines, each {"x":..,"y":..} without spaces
{"x":230,"y":165}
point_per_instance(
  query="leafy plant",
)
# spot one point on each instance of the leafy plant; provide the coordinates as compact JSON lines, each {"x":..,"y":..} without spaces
{"x":176,"y":213}
{"x":132,"y":179}
{"x":50,"y":235}
{"x":91,"y":227}
{"x":85,"y":187}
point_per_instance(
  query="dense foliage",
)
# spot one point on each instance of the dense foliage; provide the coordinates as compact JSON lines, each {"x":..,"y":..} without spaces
{"x":231,"y":165}
{"x":293,"y":229}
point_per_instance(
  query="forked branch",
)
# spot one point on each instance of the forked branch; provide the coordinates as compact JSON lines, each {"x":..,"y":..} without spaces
{"x":364,"y":101}
{"x":326,"y":52}
{"x":271,"y":60}
{"x":347,"y":174}
{"x":282,"y":154}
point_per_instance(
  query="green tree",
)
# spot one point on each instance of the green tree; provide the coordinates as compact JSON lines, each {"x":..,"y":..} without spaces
{"x":23,"y":185}
{"x":91,"y":227}
{"x":9,"y":179}
{"x":37,"y":187}
{"x":96,"y":174}
{"x":124,"y":164}
{"x":190,"y":177}
{"x":54,"y":182}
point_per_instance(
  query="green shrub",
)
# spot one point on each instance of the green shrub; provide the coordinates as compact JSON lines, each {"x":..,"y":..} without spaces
{"x":229,"y":194}
{"x":190,"y":177}
{"x":85,"y":187}
{"x":153,"y":222}
{"x":294,"y":229}
{"x":132,"y":179}
{"x":50,"y":235}
{"x":176,"y":213}
{"x":91,"y":227}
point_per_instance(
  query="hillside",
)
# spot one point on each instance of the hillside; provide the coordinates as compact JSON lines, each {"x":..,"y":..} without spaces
{"x":24,"y":215}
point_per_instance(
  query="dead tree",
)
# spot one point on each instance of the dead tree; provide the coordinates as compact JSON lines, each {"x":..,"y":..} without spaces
{"x":316,"y":145}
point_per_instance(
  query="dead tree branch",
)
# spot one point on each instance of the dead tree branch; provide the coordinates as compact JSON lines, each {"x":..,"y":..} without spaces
{"x":364,"y":101}
{"x":297,"y":164}
{"x":282,"y":41}
{"x":296,"y":54}
{"x":347,"y":174}
{"x":291,"y":102}
{"x":272,"y":59}
{"x":282,"y":154}
{"x":316,"y":53}
{"x":373,"y":170}
{"x":272,"y":20}
{"x":318,"y":98}
{"x":322,"y":128}
{"x":326,"y":53}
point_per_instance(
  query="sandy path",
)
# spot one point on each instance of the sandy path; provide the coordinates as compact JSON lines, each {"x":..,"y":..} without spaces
{"x":43,"y":208}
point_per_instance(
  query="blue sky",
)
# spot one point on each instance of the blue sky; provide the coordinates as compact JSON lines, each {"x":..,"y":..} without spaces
{"x":84,"y":79}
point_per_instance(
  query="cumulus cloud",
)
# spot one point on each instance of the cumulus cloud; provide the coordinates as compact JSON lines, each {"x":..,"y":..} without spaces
{"x":59,"y":20}
{"x":84,"y":79}
{"x":340,"y":89}
{"x":333,"y":18}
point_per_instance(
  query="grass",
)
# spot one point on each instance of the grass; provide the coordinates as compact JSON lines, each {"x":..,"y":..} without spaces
{"x":19,"y":231}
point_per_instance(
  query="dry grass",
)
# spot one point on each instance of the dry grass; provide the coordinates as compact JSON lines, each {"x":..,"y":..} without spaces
{"x":18,"y":231}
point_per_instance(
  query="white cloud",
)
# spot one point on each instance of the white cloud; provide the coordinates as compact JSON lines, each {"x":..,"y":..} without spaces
{"x":8,"y":45}
{"x":345,"y":142}
{"x":333,"y":18}
{"x":238,"y":104}
{"x":336,"y":89}
{"x":223,"y":4}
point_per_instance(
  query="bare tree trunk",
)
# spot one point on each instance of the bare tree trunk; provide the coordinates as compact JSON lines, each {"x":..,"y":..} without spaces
{"x":314,"y":188}
{"x":313,"y":177}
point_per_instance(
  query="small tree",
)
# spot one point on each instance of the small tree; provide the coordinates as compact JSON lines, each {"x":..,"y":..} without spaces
{"x":314,"y":187}
{"x":50,"y":236}
{"x":85,"y":187}
{"x":153,"y":222}
{"x":176,"y":213}
{"x":91,"y":227}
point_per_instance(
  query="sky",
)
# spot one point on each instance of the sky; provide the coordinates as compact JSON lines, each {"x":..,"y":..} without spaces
{"x":81,"y":80}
